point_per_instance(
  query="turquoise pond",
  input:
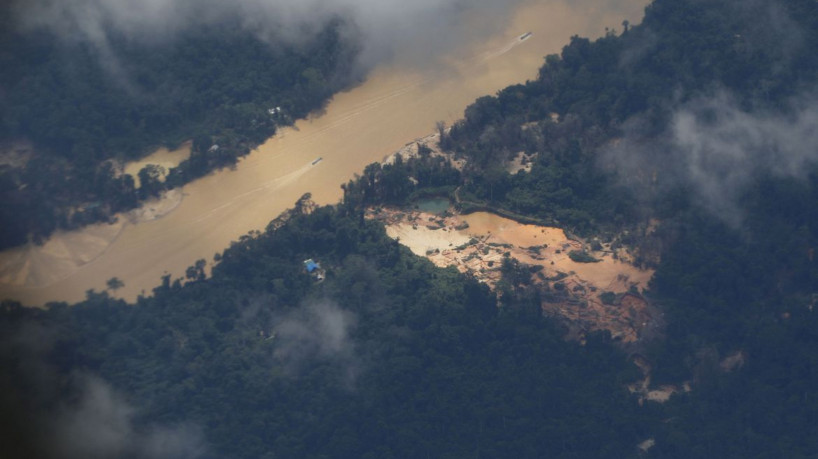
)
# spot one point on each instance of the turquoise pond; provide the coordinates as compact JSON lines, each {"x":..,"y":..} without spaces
{"x":433,"y":206}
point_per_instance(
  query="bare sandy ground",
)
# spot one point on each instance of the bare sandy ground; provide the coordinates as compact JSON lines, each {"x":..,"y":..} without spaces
{"x":422,"y":240}
{"x":646,"y":445}
{"x":477,"y":244}
{"x":33,"y":266}
{"x":156,"y":208}
{"x":161,"y":157}
{"x":432,"y":142}
{"x":68,"y":251}
{"x":660,"y":394}
{"x":520,"y":163}
{"x":15,"y":153}
{"x":395,"y":105}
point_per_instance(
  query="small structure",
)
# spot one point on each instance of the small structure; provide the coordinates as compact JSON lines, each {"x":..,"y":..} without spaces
{"x":311,"y":265}
{"x":314,"y":268}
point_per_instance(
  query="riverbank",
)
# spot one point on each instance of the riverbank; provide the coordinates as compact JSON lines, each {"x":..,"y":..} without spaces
{"x":392,"y":107}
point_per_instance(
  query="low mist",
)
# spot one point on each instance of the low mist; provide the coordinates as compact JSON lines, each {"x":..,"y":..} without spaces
{"x":318,"y":331}
{"x":101,"y":424}
{"x":715,"y":148}
{"x":380,"y":29}
{"x":77,"y":415}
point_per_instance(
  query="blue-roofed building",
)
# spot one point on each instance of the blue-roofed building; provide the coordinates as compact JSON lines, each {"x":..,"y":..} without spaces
{"x":310,"y":265}
{"x":314,"y":269}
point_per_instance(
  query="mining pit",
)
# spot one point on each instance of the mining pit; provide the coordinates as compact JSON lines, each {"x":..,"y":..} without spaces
{"x":601,"y":291}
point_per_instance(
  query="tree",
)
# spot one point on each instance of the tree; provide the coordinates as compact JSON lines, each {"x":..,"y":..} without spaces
{"x":114,"y":284}
{"x":196,"y":272}
{"x":494,"y":176}
{"x":441,"y":131}
{"x":150,"y":183}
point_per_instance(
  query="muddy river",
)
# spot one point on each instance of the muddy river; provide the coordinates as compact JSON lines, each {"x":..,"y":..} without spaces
{"x":394,"y":106}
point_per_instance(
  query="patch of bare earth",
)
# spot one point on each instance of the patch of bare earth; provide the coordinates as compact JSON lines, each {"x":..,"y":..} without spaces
{"x":156,"y":208}
{"x":521,"y":162}
{"x":432,"y":143}
{"x":477,"y":243}
{"x":15,"y":154}
{"x":657,"y":394}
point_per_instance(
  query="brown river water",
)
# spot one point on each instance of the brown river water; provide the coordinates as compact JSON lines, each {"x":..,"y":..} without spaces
{"x":394,"y":106}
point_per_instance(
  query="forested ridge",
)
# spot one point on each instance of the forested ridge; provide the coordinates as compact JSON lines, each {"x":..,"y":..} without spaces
{"x":391,"y":357}
{"x":388,"y":357}
{"x":736,"y":273}
{"x":82,"y":106}
{"x":629,"y":86}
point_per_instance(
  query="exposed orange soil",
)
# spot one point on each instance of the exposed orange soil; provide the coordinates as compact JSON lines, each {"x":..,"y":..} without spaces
{"x":478,"y":242}
{"x":400,"y":100}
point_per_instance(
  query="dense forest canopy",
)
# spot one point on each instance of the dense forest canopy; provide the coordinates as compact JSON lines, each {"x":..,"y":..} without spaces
{"x":91,"y":84}
{"x":82,"y":104}
{"x":699,"y":118}
{"x":687,"y":137}
{"x":388,"y":357}
{"x":657,"y":107}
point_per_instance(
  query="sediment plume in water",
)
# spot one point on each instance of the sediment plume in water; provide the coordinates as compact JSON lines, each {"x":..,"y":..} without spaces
{"x":395,"y":105}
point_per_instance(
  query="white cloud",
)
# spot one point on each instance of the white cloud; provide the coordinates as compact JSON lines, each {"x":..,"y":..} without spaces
{"x":382,"y":26}
{"x":318,"y":331}
{"x":715,"y":148}
{"x":101,"y":424}
{"x":723,"y":147}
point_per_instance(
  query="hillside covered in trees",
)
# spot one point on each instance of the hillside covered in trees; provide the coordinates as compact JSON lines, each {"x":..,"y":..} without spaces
{"x":387,"y":357}
{"x":687,"y":137}
{"x":605,"y":119}
{"x":86,"y":110}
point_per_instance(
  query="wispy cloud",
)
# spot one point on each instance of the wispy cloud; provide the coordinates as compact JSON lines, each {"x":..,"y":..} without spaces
{"x":381,"y":27}
{"x":724,"y":147}
{"x":316,"y":332}
{"x":715,"y":148}
{"x":79,"y":415}
{"x":101,"y":424}
{"x":718,"y":138}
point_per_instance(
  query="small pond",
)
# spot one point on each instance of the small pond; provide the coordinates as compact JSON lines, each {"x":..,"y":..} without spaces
{"x":433,"y":206}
